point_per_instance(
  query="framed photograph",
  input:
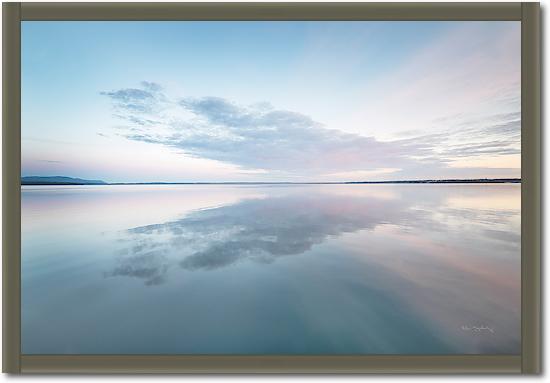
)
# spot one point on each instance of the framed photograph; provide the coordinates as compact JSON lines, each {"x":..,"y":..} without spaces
{"x":271,"y":188}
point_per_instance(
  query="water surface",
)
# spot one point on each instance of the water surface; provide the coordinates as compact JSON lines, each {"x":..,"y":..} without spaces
{"x":271,"y":269}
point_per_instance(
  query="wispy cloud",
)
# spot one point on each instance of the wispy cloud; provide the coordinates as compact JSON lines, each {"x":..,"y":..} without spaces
{"x":145,"y":99}
{"x":498,"y":134}
{"x":259,"y":136}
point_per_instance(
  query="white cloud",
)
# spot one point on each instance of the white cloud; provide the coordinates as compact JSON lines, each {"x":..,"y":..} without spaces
{"x":263,"y":140}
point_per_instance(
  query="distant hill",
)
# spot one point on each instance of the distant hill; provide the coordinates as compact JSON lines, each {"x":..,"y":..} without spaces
{"x":58,"y":180}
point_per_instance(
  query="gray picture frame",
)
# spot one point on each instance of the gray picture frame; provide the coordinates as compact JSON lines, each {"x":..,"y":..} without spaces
{"x":528,"y":362}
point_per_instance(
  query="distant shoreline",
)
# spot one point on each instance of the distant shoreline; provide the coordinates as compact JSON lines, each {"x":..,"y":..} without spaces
{"x":446,"y":181}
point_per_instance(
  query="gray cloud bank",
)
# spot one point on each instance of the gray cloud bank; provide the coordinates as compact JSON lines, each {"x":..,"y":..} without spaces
{"x":261,"y":137}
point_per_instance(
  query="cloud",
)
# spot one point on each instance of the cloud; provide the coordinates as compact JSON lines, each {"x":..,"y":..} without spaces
{"x":480,"y":137}
{"x":261,"y":137}
{"x":136,"y":100}
{"x":253,"y":137}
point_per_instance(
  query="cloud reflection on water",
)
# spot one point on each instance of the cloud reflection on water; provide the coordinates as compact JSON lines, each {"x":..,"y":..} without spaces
{"x":264,"y":229}
{"x":259,"y":230}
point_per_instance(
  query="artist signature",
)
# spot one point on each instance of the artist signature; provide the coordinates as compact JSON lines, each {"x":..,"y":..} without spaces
{"x":478,"y":328}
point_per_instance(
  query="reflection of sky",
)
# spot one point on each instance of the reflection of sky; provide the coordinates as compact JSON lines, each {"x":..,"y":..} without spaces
{"x":284,"y":269}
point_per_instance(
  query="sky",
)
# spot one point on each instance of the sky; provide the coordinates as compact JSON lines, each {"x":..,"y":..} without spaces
{"x":213,"y":101}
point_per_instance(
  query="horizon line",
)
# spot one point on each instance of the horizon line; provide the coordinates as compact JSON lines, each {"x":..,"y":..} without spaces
{"x":426,"y":180}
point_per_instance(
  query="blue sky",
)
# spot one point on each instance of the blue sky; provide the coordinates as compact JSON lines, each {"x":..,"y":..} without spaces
{"x":261,"y":101}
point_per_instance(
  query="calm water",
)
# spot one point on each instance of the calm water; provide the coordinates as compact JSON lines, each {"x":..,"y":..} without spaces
{"x":301,"y":269}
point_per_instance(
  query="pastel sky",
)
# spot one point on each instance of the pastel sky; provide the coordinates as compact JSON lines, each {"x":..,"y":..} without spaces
{"x":271,"y":101}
